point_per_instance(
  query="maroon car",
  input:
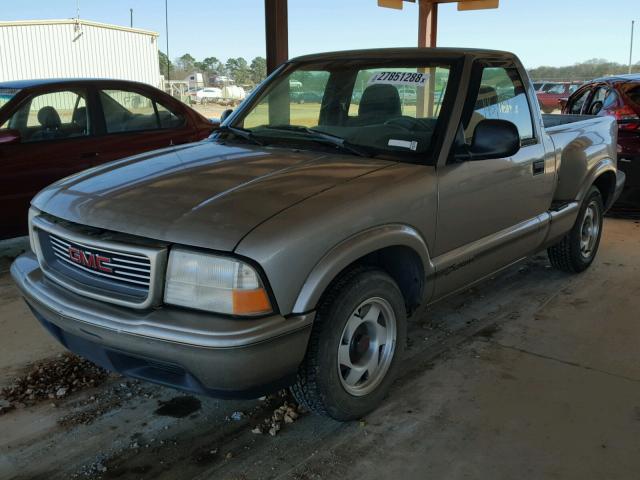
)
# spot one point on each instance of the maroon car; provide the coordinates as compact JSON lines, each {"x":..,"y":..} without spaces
{"x":549,"y":98}
{"x":50,"y":129}
{"x":619,"y":97}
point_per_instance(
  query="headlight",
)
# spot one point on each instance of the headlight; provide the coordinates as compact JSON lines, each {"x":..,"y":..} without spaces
{"x":217,"y":284}
{"x":33,"y":212}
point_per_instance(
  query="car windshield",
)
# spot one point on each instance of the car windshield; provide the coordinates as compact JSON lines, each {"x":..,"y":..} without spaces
{"x":7,"y":94}
{"x":389,"y":108}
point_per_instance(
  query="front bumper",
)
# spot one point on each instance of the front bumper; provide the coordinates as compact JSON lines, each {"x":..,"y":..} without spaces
{"x":192,"y":351}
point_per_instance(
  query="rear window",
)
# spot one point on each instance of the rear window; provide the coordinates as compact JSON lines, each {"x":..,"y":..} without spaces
{"x":632,"y":92}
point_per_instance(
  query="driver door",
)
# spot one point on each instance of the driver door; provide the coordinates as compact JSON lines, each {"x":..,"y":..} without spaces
{"x":488,"y":209}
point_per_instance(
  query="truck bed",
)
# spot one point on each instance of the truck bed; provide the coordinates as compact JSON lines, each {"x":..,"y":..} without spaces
{"x":579,"y":140}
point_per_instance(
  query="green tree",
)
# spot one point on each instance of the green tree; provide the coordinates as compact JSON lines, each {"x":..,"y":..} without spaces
{"x":239,"y":70}
{"x":594,"y":68}
{"x":186,"y":63}
{"x":258,"y":69}
{"x":163,"y":61}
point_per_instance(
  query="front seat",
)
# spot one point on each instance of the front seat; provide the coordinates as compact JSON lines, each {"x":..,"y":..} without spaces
{"x":50,"y":125}
{"x":80,"y":119}
{"x":378,"y":104}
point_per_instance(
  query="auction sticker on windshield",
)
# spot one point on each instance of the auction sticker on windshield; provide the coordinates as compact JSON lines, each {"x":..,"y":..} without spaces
{"x":399,"y":78}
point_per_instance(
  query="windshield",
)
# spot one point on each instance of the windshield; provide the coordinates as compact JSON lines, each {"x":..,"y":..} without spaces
{"x":7,"y":94}
{"x":384,"y":108}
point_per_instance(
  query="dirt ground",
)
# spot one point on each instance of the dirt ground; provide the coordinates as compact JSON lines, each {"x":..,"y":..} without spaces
{"x":533,"y":374}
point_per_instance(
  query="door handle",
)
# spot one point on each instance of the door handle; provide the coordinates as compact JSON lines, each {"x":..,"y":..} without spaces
{"x":89,"y":155}
{"x":538,"y":167}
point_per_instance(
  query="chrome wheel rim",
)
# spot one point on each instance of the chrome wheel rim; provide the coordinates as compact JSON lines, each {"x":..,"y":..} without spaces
{"x":590,"y":230}
{"x":367,"y":346}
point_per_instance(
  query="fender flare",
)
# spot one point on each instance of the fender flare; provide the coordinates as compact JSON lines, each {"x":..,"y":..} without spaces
{"x":353,"y":248}
{"x":603,"y":166}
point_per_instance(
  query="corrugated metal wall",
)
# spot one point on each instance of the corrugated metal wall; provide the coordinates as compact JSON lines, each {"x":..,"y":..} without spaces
{"x":65,"y":49}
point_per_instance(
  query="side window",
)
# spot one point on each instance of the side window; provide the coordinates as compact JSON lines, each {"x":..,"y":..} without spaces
{"x":578,"y":102}
{"x":502,"y":96}
{"x":52,"y":116}
{"x":127,"y":111}
{"x":168,"y":119}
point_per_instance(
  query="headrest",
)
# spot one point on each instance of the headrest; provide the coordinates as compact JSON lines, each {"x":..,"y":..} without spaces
{"x":49,"y":118}
{"x":381,"y":99}
{"x":80,"y":117}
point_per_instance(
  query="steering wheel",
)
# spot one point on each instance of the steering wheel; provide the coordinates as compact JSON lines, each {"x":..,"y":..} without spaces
{"x":595,"y":108}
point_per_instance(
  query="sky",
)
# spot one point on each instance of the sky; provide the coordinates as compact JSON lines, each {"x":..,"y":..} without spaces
{"x":540,"y":32}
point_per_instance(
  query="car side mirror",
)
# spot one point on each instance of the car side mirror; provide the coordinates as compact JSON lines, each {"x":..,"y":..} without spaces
{"x":492,"y":139}
{"x":225,"y":114}
{"x":10,"y":136}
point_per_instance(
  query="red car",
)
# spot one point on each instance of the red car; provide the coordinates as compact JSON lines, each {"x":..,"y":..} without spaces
{"x":50,"y":129}
{"x":549,"y":98}
{"x":619,"y":97}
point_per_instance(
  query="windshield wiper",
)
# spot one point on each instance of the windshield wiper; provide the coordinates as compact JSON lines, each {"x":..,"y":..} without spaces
{"x":242,"y":133}
{"x":323,"y":137}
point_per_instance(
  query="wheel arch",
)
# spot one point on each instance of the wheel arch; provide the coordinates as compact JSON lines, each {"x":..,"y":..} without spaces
{"x":606,"y":183}
{"x":397,"y":249}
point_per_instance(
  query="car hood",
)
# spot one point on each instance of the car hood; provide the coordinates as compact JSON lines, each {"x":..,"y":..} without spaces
{"x":205,"y":194}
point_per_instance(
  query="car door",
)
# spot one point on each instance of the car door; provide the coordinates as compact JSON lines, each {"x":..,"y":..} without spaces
{"x":488,"y":209}
{"x":578,"y":101}
{"x":56,"y":140}
{"x":133,"y":121}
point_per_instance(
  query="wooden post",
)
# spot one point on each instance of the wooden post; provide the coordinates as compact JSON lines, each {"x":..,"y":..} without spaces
{"x":427,"y":36}
{"x":427,"y":23}
{"x":277,"y":33}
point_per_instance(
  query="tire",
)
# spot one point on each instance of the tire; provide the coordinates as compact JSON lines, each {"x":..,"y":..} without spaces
{"x":577,"y":250}
{"x":325,"y":384}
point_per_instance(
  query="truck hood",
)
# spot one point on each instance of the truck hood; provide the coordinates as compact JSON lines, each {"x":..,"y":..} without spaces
{"x":204,"y":194}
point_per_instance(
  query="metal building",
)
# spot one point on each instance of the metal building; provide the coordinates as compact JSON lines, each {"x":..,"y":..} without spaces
{"x":77,"y":48}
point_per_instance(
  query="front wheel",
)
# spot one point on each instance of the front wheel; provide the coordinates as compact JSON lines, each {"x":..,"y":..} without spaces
{"x":357,"y":340}
{"x":577,"y":250}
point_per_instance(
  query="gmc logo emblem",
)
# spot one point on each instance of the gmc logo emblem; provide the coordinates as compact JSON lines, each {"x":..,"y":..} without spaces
{"x":90,"y":260}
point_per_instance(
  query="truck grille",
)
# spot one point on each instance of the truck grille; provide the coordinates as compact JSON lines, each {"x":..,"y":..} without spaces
{"x":97,"y":266}
{"x":117,"y":266}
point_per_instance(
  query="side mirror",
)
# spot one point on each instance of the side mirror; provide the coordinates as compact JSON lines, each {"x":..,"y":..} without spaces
{"x":492,"y":139}
{"x":225,"y":114}
{"x":9,"y":136}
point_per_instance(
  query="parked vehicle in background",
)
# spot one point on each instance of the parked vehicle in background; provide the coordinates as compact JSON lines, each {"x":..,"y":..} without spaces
{"x":619,"y":97}
{"x":233,"y":94}
{"x":50,"y":129}
{"x":291,"y":247}
{"x":550,"y":95}
{"x":208,"y":95}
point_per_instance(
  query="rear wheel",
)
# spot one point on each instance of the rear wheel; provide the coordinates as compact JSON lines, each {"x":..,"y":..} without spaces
{"x":357,"y":340}
{"x":577,"y":250}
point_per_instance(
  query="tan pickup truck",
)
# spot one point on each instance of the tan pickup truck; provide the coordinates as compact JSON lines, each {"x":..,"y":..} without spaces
{"x":291,"y":247}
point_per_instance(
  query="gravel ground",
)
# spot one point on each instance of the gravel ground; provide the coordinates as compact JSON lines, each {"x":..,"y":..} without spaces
{"x":527,"y":375}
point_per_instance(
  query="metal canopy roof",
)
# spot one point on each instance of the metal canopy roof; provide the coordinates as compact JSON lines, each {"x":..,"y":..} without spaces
{"x":276,"y":28}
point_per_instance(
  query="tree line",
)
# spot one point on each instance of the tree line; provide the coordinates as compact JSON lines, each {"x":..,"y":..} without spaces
{"x":594,"y":68}
{"x":252,"y":73}
{"x":241,"y":71}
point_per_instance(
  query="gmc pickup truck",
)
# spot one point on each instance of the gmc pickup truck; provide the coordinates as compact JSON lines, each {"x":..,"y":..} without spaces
{"x":291,"y":247}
